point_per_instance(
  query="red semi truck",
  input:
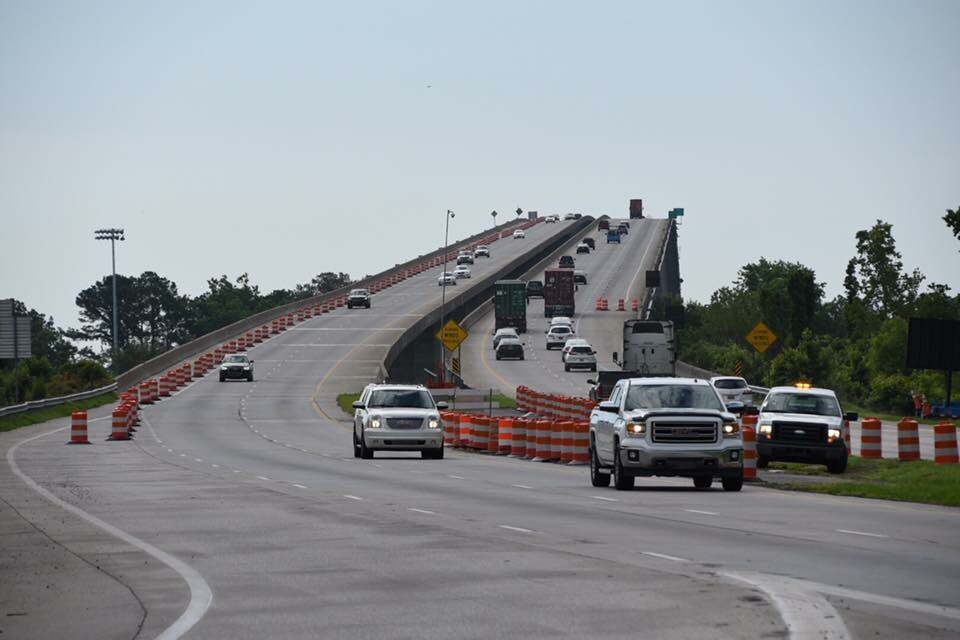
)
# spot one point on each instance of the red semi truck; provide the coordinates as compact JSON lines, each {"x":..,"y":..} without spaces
{"x":558,"y":288}
{"x":636,"y":209}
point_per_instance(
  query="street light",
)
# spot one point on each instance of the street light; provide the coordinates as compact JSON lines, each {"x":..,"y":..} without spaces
{"x":494,"y":214}
{"x":443,"y":286}
{"x":112,"y":235}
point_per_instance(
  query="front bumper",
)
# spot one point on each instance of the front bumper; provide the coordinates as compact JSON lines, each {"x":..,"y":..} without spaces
{"x":641,"y":460}
{"x":234,"y":373}
{"x":577,"y":363}
{"x":396,"y":440}
{"x":810,"y":452}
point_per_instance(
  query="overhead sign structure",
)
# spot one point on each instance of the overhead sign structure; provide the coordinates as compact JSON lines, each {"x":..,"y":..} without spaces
{"x":14,"y":333}
{"x":452,"y":335}
{"x":761,"y":337}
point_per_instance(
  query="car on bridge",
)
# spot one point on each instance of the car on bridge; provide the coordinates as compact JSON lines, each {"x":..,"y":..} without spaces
{"x":613,"y":236}
{"x":236,"y":366}
{"x":463,"y":271}
{"x":395,"y":417}
{"x":623,"y":228}
{"x":590,"y":242}
{"x":534,"y":289}
{"x":552,"y":219}
{"x":570,"y":216}
{"x":603,"y":225}
{"x":579,"y":277}
{"x":446,"y":279}
{"x":665,"y":427}
{"x":509,"y":348}
{"x":519,"y":233}
{"x":505,"y":332}
{"x":565,"y":262}
{"x":482,"y":251}
{"x":358,"y":298}
{"x":465,"y":257}
{"x":803,"y":424}
{"x":583,"y":247}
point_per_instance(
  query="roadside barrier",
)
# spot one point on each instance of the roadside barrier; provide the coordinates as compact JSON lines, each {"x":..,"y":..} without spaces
{"x":543,"y":440}
{"x":556,"y":438}
{"x":871,"y":434}
{"x":481,"y":432}
{"x":945,"y":443}
{"x":635,"y":305}
{"x":518,"y":446}
{"x":620,"y":306}
{"x":164,"y":390}
{"x":581,"y":443}
{"x":533,"y":429}
{"x":566,"y":441}
{"x":78,"y":428}
{"x":119,"y":429}
{"x":602,"y":304}
{"x":908,"y":440}
{"x":466,"y":430}
{"x":749,"y":452}
{"x":493,"y":435}
{"x":505,"y":437}
{"x":146,"y":395}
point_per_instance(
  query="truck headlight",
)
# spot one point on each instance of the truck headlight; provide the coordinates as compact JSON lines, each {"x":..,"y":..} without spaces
{"x":246,"y":367}
{"x":636,"y":428}
{"x":833,"y":435}
{"x":375,"y":423}
{"x":223,"y":367}
{"x":731,"y":429}
{"x":433,"y":423}
{"x":765,"y":430}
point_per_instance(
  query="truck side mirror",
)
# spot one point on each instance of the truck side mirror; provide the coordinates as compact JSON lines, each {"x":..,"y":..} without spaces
{"x":851,"y":417}
{"x":358,"y":405}
{"x":442,"y":405}
{"x":615,"y":358}
{"x":612,"y":407}
{"x":589,"y":381}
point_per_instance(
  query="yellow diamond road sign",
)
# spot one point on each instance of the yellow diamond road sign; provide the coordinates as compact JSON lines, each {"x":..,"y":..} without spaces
{"x":761,"y":337}
{"x":451,"y":335}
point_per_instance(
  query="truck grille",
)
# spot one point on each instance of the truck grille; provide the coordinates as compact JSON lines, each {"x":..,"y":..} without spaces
{"x":684,"y":432}
{"x":799,"y":432}
{"x":404,"y":423}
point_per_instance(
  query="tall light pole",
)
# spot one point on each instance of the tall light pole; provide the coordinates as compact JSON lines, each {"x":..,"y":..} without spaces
{"x":112,"y":235}
{"x":494,"y":214}
{"x":443,"y":286}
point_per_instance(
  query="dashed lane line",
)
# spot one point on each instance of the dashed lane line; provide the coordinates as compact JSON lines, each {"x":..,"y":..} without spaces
{"x":706,"y":513}
{"x":663,"y":556}
{"x":350,"y":497}
{"x":861,"y":533}
{"x":299,"y":486}
{"x":517,"y":529}
{"x":424,"y":511}
{"x":604,"y":498}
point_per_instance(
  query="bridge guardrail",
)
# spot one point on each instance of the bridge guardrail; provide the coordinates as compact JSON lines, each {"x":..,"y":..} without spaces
{"x":33,"y":405}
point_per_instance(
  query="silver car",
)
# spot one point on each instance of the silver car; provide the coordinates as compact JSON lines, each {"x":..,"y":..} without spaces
{"x":395,"y":417}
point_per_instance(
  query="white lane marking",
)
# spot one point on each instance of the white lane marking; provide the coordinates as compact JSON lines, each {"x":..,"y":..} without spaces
{"x":215,"y":466}
{"x":183,"y":455}
{"x":521,"y":486}
{"x":806,"y":613}
{"x":299,"y":486}
{"x":517,"y":529}
{"x":457,"y":477}
{"x":263,"y":478}
{"x":862,"y":533}
{"x":706,"y":513}
{"x":201,"y":597}
{"x":197,"y":460}
{"x":429,"y":513}
{"x":885,"y":601}
{"x":169,"y":450}
{"x":236,"y":470}
{"x":605,"y":498}
{"x":350,"y":497}
{"x":663,"y":556}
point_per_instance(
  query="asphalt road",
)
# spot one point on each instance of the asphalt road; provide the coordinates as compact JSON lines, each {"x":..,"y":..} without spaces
{"x":239,"y":512}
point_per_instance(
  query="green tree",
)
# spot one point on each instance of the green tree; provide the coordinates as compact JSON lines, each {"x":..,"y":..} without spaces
{"x":875,"y":275}
{"x":953,"y":221}
{"x":322,"y":283}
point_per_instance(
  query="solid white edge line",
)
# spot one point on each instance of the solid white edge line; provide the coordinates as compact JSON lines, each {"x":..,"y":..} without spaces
{"x":264,"y":478}
{"x":605,"y":499}
{"x":518,"y":529}
{"x":457,"y":477}
{"x":350,"y":497}
{"x":429,"y":513}
{"x":201,"y":597}
{"x":706,"y":513}
{"x":299,"y":486}
{"x":861,"y":533}
{"x":521,"y":486}
{"x":663,"y":556}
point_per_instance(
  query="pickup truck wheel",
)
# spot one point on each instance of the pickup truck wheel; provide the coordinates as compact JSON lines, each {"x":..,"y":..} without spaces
{"x":566,"y":367}
{"x":223,"y":378}
{"x":621,"y":482}
{"x":734,"y":483}
{"x":837,"y":466}
{"x":597,"y":477}
{"x":356,"y":446}
{"x":702,"y":482}
{"x":365,"y":453}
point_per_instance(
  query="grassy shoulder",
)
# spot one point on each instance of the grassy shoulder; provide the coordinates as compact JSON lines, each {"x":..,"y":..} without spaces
{"x":18,"y":420}
{"x":918,"y":481}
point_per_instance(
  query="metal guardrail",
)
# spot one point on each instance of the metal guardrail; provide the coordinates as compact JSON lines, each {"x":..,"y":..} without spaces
{"x":33,"y":405}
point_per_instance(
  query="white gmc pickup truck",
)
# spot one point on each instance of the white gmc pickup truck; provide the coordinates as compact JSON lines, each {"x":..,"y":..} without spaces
{"x":665,"y":427}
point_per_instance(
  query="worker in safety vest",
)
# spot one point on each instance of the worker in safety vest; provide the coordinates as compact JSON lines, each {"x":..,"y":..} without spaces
{"x":917,"y":404}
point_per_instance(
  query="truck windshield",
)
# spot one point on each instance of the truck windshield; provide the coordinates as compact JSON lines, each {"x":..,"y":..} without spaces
{"x":236,"y":359}
{"x":802,"y":403}
{"x":672,"y":396}
{"x":408,"y":399}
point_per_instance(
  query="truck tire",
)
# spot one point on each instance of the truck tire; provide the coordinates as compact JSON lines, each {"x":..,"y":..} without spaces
{"x":837,"y":466}
{"x":702,"y":482}
{"x":621,"y":482}
{"x":734,"y":483}
{"x":356,"y":446}
{"x":365,"y":453}
{"x":566,"y":367}
{"x":597,"y":477}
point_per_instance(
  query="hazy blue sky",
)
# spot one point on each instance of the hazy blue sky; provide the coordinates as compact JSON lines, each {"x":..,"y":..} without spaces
{"x":284,"y":138}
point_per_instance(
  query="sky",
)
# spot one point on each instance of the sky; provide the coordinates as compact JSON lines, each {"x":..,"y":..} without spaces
{"x":284,"y":139}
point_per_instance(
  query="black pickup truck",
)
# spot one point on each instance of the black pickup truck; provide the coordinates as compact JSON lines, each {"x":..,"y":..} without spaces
{"x":601,"y":387}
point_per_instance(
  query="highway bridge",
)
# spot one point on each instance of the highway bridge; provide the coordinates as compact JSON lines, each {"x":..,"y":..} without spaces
{"x":238,"y":511}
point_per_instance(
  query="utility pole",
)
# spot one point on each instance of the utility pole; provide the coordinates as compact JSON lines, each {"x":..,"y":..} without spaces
{"x":443,"y":287}
{"x":112,"y":235}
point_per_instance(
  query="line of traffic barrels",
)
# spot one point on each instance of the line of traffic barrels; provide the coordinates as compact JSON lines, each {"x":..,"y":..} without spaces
{"x":538,"y":439}
{"x":554,"y":406}
{"x":908,"y":440}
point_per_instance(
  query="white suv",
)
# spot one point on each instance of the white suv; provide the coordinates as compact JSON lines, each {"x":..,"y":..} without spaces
{"x":733,"y":389}
{"x":397,"y":417}
{"x":577,"y":353}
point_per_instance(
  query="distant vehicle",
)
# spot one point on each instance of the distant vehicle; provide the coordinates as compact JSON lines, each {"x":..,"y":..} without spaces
{"x":558,"y":335}
{"x":552,"y":219}
{"x":483,"y":251}
{"x":579,"y":277}
{"x":590,"y":242}
{"x":557,"y":320}
{"x":579,"y":355}
{"x":465,"y":258}
{"x":583,"y":247}
{"x":636,"y":208}
{"x":506,"y":332}
{"x":603,"y":225}
{"x":237,"y":366}
{"x":358,"y":298}
{"x":446,"y":278}
{"x":534,"y":289}
{"x":558,"y":293}
{"x":613,"y":236}
{"x":519,"y":234}
{"x":648,"y":350}
{"x":803,"y":424}
{"x":733,"y":389}
{"x":577,"y":216}
{"x":570,"y":216}
{"x":510,"y":348}
{"x":623,"y":229}
{"x":565,"y":262}
{"x":397,"y":418}
{"x":665,"y":427}
{"x":463,"y":271}
{"x":510,"y":304}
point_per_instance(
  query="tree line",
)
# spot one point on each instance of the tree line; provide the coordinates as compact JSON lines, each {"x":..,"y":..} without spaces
{"x":855,"y":343}
{"x":152,"y":318}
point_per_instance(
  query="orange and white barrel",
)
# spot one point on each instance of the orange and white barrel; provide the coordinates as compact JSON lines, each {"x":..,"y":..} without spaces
{"x":908,"y":440}
{"x":481,"y":432}
{"x":945,"y":443}
{"x":566,"y":441}
{"x":556,"y":439}
{"x":871,"y":438}
{"x":78,"y":428}
{"x":533,"y":429}
{"x":749,"y":453}
{"x":581,"y":442}
{"x":493,"y":435}
{"x":450,"y":429}
{"x":466,"y":430}
{"x":544,"y":427}
{"x":505,"y":436}
{"x":164,"y":387}
{"x":145,"y":396}
{"x":119,"y":429}
{"x":518,"y":446}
